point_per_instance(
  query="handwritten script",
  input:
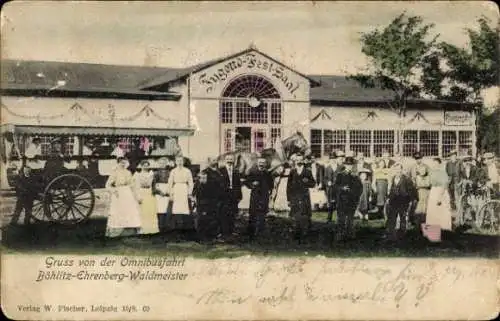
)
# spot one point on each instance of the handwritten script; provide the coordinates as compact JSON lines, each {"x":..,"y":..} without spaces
{"x":279,"y":282}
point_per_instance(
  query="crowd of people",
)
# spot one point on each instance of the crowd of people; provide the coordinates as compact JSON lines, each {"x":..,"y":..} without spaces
{"x":147,"y":201}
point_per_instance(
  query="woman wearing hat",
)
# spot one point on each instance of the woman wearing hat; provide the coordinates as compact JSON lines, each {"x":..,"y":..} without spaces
{"x":124,"y":218}
{"x":143,"y":178}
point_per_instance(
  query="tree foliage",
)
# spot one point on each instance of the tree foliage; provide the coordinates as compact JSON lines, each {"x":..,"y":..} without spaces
{"x":398,"y":55}
{"x":475,"y":67}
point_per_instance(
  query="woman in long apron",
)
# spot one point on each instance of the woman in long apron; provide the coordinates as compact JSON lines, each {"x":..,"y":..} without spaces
{"x":124,"y":217}
{"x":438,"y":204}
{"x":143,"y":178}
{"x":180,"y":186}
{"x":423,"y":185}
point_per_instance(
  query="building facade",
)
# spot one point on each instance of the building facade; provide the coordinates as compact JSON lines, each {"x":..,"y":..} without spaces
{"x":246,"y":101}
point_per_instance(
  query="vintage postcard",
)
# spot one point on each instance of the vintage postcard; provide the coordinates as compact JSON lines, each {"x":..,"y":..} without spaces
{"x":250,"y":160}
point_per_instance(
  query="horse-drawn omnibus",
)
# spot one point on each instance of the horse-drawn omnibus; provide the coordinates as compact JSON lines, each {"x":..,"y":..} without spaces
{"x":87,"y":156}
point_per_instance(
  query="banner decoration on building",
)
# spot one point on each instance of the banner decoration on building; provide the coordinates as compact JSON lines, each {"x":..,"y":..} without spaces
{"x":369,"y":115}
{"x":323,"y":114}
{"x":418,"y":117}
{"x":76,"y":112}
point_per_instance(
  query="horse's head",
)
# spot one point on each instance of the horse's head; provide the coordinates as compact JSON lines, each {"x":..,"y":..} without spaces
{"x":296,"y":143}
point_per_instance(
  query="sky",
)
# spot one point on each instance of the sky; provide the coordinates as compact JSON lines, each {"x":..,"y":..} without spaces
{"x":311,"y":37}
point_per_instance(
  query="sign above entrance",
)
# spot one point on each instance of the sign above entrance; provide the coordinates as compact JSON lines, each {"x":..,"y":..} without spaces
{"x":458,"y":118}
{"x":251,"y":62}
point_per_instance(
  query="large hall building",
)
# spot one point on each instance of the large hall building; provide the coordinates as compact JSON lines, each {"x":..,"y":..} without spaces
{"x":245,"y":101}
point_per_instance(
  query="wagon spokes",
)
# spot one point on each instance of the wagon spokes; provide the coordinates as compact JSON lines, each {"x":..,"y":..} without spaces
{"x":69,"y":199}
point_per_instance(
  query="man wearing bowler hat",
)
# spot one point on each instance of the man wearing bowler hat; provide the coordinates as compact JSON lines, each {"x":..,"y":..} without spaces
{"x":348,"y":189}
{"x":336,"y":166}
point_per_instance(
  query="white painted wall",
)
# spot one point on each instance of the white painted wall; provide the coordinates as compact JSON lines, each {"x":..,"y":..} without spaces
{"x":205,"y":142}
{"x":93,"y":112}
{"x":296,"y":117}
{"x":358,"y":118}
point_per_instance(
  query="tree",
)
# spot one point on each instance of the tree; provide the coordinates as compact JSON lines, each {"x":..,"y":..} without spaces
{"x":402,"y":56}
{"x":472,"y":69}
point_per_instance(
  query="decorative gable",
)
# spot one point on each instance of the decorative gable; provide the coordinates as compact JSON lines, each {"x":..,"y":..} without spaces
{"x":210,"y":81}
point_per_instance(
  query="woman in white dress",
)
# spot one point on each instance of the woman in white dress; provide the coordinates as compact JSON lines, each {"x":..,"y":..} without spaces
{"x":280,"y":202}
{"x":143,"y":179}
{"x":180,"y":187}
{"x":124,"y":217}
{"x":438,"y":204}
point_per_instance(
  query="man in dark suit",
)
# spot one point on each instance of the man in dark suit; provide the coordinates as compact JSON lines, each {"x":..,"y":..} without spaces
{"x":26,"y":190}
{"x":348,"y":189}
{"x":388,"y":162}
{"x":317,"y":171}
{"x":453,"y":169}
{"x":470,"y":176}
{"x":401,"y":199}
{"x":261,"y":183}
{"x":208,"y":192}
{"x":232,"y":195}
{"x":335,"y":166}
{"x":300,"y":180}
{"x":55,"y":161}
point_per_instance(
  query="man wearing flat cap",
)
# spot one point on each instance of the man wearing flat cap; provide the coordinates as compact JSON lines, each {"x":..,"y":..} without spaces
{"x":348,"y":189}
{"x":452,"y":169}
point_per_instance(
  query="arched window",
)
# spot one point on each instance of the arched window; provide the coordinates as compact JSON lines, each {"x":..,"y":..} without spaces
{"x":250,"y":114}
{"x":249,"y":86}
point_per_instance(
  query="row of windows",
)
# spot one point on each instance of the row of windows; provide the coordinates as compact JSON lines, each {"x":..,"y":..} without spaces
{"x":71,"y":143}
{"x":373,"y":143}
{"x":239,"y":112}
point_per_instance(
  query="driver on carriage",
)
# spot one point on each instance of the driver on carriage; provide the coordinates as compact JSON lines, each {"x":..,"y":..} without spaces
{"x":55,"y":161}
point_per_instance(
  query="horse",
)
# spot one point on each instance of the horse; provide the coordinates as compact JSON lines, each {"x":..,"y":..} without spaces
{"x":277,"y":158}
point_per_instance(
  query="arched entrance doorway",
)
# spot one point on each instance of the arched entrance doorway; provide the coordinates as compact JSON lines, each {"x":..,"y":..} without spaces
{"x":250,"y":114}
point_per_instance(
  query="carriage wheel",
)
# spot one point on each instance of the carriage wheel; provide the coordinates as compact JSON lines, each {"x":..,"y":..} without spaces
{"x":38,"y":213}
{"x":490,"y":217}
{"x":69,"y":199}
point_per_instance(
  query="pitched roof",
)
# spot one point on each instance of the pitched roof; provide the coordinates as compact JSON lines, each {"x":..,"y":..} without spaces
{"x":338,"y":88}
{"x":134,"y":81}
{"x":183,"y":74}
{"x":80,"y":75}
